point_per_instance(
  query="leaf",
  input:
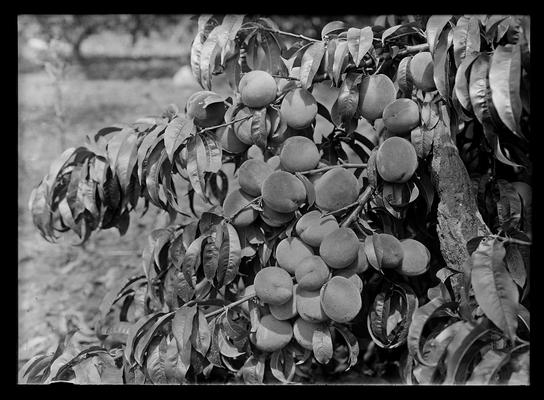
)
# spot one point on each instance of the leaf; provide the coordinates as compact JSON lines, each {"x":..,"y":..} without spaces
{"x":462,"y":81}
{"x":441,"y":56}
{"x":233,"y":22}
{"x":34,"y":367}
{"x":495,"y":291}
{"x":144,"y":343}
{"x":282,"y":366}
{"x":352,"y":343}
{"x":310,"y":189}
{"x":230,"y":255}
{"x":332,"y":27}
{"x":310,"y":63}
{"x":435,"y":26}
{"x":210,"y":259}
{"x":466,"y":38}
{"x":478,"y":85}
{"x":182,"y":326}
{"x":259,"y":133}
{"x":462,"y":349}
{"x":196,"y":176}
{"x":505,"y":81}
{"x":196,"y":46}
{"x":422,"y":139}
{"x":177,"y":131}
{"x":135,"y":334}
{"x":420,"y":318}
{"x":126,"y":161}
{"x":210,"y":52}
{"x":499,"y":155}
{"x":340,"y":54}
{"x":372,"y":171}
{"x":253,"y":370}
{"x":155,"y":361}
{"x":371,"y":253}
{"x":86,"y":372}
{"x":484,"y":372}
{"x":192,"y":260}
{"x":322,"y":344}
{"x":514,"y":263}
{"x":201,"y":335}
{"x":151,"y":140}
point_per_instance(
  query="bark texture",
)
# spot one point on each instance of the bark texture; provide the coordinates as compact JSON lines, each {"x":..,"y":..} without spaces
{"x":458,"y":217}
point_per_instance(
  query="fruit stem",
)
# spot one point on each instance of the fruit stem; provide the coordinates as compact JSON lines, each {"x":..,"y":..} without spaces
{"x":229,"y":306}
{"x":340,"y":210}
{"x":211,"y":128}
{"x":291,"y":78}
{"x":362,"y":200}
{"x":347,"y":165}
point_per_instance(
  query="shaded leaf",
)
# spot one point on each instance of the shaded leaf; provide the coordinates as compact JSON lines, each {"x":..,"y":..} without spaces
{"x":322,"y":344}
{"x":182,"y":326}
{"x":466,"y":38}
{"x":435,"y":26}
{"x":310,"y":63}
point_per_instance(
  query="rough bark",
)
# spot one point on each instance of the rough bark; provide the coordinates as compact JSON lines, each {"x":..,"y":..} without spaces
{"x":458,"y":217}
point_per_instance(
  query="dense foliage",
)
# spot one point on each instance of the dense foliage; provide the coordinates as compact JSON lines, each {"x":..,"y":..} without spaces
{"x":191,"y":316}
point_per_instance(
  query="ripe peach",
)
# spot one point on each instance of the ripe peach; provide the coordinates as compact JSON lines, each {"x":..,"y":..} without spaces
{"x":283,"y":192}
{"x":312,"y":273}
{"x":274,"y":162}
{"x":257,"y":89}
{"x":312,"y":227}
{"x":290,"y":252}
{"x":208,"y":116}
{"x":234,"y":201}
{"x":416,"y":258}
{"x":272,"y":334}
{"x":286,"y":310}
{"x":274,"y":218}
{"x":229,"y":141}
{"x":273,"y":285}
{"x":375,"y":93}
{"x":298,"y":108}
{"x":309,"y":305}
{"x":336,"y":189}
{"x":396,"y":160}
{"x":251,"y":175}
{"x":303,"y":332}
{"x":359,"y":265}
{"x":388,"y":250}
{"x":242,"y":129}
{"x":401,"y":116}
{"x":353,"y":277}
{"x":340,"y":299}
{"x":339,"y":248}
{"x":299,"y":154}
{"x":421,"y":69}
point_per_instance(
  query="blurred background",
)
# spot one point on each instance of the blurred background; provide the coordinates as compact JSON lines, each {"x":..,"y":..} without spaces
{"x":77,"y":74}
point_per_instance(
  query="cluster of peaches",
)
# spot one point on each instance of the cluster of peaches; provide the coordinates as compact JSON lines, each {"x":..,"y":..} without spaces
{"x":318,"y":277}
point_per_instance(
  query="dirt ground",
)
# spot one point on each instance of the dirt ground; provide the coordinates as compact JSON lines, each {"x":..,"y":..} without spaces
{"x":61,"y":282}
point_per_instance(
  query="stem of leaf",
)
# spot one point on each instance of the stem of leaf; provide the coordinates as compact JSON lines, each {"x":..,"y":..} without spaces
{"x":229,"y":306}
{"x":211,"y":128}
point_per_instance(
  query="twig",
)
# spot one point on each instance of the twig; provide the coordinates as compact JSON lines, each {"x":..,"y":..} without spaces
{"x":211,"y":128}
{"x":347,"y":165}
{"x":291,"y":35}
{"x":340,"y":210}
{"x":228,"y":306}
{"x":362,"y":200}
{"x":291,"y":78}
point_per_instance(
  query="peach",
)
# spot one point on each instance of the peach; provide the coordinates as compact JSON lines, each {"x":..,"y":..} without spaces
{"x":421,"y":69}
{"x":251,"y":175}
{"x":401,"y":116}
{"x":275,"y":219}
{"x":208,"y":116}
{"x":283,"y":192}
{"x":312,"y":273}
{"x":359,"y":265}
{"x":303,"y":332}
{"x":299,"y":153}
{"x":242,"y":129}
{"x":313,"y":227}
{"x":290,"y":252}
{"x":416,"y":258}
{"x":339,"y":248}
{"x":273,"y":285}
{"x":286,"y":310}
{"x":309,"y":305}
{"x":234,"y":201}
{"x":340,"y":299}
{"x":257,"y":89}
{"x":298,"y":108}
{"x":229,"y":141}
{"x":272,"y":334}
{"x":375,"y":93}
{"x":389,"y":251}
{"x":396,"y":160}
{"x":337,"y":188}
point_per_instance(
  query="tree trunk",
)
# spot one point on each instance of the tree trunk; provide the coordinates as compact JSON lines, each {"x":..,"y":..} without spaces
{"x":459,"y":219}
